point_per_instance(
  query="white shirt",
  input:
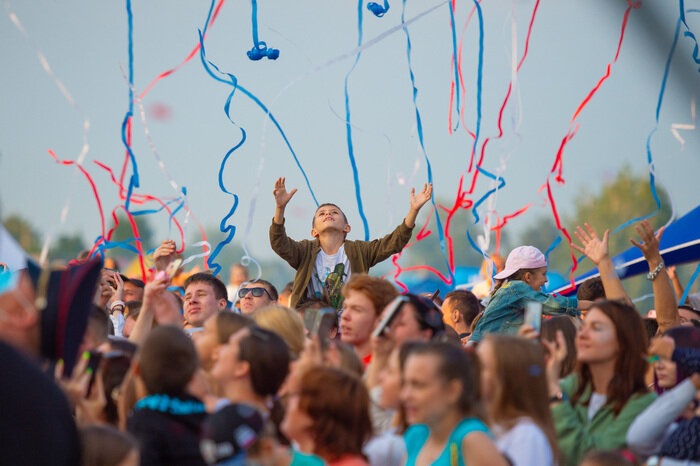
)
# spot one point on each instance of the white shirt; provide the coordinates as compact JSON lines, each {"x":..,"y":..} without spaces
{"x":331,"y":271}
{"x":596,"y":402}
{"x":525,"y":444}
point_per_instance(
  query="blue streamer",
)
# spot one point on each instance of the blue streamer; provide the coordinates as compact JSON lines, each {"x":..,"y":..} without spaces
{"x":480,"y":69}
{"x":690,"y":284}
{"x":454,"y":54}
{"x":419,"y":127}
{"x":501,"y":184}
{"x":377,"y":9}
{"x":260,"y":49}
{"x":650,"y":161}
{"x":688,"y":33}
{"x":348,"y":126}
{"x":552,"y":247}
{"x":134,"y":180}
{"x":251,"y":97}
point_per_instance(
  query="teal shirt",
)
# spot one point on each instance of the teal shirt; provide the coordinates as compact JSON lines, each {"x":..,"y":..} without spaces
{"x":505,"y":311}
{"x":302,"y":459}
{"x":416,"y":436}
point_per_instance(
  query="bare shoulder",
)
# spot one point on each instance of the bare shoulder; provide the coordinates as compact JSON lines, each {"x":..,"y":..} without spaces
{"x":480,"y":449}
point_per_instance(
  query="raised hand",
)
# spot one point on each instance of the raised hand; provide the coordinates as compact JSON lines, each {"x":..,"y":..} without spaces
{"x":419,"y":200}
{"x":282,"y":197}
{"x":119,"y":283}
{"x":593,"y":247}
{"x":650,"y":241}
{"x":557,"y":354}
{"x":164,"y":255}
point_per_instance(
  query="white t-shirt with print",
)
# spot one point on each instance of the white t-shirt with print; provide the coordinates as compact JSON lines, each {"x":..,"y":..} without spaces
{"x":336,"y":266}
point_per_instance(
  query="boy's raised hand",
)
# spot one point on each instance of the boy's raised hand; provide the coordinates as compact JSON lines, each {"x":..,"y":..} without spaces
{"x":419,"y":200}
{"x":594,"y":248}
{"x":282,"y":197}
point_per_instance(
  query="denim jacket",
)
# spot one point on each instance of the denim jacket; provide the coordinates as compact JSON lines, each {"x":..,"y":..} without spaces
{"x":506,"y":309}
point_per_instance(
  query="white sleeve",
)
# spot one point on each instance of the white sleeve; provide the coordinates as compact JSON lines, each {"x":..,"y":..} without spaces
{"x":526,"y":445}
{"x":118,"y":322}
{"x":648,"y":431}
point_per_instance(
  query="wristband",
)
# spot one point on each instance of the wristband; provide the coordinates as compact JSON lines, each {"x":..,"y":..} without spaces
{"x":652,"y":275}
{"x":115,"y":304}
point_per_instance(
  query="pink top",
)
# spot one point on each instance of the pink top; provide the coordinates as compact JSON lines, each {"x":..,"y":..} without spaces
{"x":349,"y":460}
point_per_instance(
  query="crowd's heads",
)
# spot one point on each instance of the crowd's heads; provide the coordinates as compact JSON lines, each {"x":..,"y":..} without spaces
{"x":439,"y":380}
{"x":666,"y":373}
{"x":613,"y":331}
{"x":217,"y":331}
{"x":229,"y":433}
{"x":525,"y":263}
{"x":133,"y":289}
{"x":205,"y":295}
{"x":514,"y":383}
{"x":365,"y":298}
{"x":256,"y":295}
{"x":286,"y":293}
{"x":238,"y":274}
{"x":105,"y":445}
{"x":418,"y":319}
{"x":548,"y":332}
{"x":286,"y":323}
{"x":329,"y":217}
{"x":332,"y":409}
{"x":167,"y":361}
{"x":133,"y":308}
{"x":459,"y":310}
{"x":257,"y":355}
{"x":689,"y":316}
{"x":591,"y":290}
{"x":97,"y":330}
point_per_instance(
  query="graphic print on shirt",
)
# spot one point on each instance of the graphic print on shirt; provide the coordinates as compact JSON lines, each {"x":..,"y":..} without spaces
{"x":333,"y":284}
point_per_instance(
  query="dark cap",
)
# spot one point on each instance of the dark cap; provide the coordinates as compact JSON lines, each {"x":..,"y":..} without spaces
{"x":229,"y":433}
{"x":64,"y":299}
{"x":133,"y":281}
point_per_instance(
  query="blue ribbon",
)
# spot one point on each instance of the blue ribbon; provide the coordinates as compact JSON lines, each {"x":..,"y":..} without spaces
{"x":480,"y":68}
{"x":454,"y":53}
{"x":552,"y":247}
{"x":252,"y":97}
{"x":260,"y":49}
{"x":688,"y":33}
{"x":501,"y":183}
{"x":650,"y":161}
{"x":690,"y":285}
{"x":419,"y":127}
{"x":348,"y":126}
{"x":377,"y":9}
{"x":134,"y":180}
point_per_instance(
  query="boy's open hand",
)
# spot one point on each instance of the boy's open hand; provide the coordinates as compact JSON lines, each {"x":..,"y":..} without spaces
{"x":593,"y":247}
{"x":419,"y":200}
{"x":282,"y":197}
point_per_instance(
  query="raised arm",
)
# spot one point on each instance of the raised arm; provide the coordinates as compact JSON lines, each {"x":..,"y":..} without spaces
{"x":417,"y":201}
{"x":282,"y":198}
{"x":664,"y":298}
{"x":597,"y":251}
{"x":677,"y":286}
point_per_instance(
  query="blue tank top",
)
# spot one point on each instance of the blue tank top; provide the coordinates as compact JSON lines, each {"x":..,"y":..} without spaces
{"x":417,"y":435}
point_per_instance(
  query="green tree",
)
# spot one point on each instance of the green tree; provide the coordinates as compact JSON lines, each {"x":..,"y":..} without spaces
{"x":24,"y":233}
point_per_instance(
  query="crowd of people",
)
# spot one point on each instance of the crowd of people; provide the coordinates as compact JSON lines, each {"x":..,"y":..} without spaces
{"x":339,"y":368}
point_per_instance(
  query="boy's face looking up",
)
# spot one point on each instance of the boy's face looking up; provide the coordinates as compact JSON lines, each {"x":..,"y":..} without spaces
{"x":329,"y":217}
{"x":201,"y":303}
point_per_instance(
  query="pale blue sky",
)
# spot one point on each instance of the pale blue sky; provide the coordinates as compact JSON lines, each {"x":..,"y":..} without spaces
{"x":572,"y":42}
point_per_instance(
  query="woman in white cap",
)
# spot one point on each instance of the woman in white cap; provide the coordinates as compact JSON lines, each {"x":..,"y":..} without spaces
{"x":520,"y":282}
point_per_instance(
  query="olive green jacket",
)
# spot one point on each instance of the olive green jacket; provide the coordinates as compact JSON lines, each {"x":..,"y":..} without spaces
{"x":604,"y":432}
{"x":301,"y":255}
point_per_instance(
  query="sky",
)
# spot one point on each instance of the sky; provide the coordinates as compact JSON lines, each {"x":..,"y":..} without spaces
{"x":571,"y":44}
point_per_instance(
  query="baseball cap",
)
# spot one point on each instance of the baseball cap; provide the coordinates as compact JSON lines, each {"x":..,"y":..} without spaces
{"x":522,"y":257}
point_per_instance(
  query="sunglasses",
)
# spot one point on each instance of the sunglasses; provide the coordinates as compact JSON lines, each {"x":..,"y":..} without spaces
{"x":256,"y":292}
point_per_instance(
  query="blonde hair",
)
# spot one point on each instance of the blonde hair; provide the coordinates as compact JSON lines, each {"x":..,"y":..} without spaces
{"x":284,"y":322}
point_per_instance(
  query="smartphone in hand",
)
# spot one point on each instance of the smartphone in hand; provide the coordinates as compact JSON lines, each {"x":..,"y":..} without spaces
{"x":533,"y":315}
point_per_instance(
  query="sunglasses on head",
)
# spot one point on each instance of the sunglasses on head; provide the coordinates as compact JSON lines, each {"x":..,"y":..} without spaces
{"x":256,"y":292}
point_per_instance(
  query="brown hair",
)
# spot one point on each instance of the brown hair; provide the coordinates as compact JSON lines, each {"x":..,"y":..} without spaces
{"x":466,"y":303}
{"x":105,"y":445}
{"x":567,"y":327}
{"x":167,"y":361}
{"x":286,"y":323}
{"x":591,"y":289}
{"x":630,"y":366}
{"x":519,"y":275}
{"x":378,"y":290}
{"x":522,"y":385}
{"x":203,"y":277}
{"x":327,"y":204}
{"x":338,"y":403}
{"x":454,"y":364}
{"x":228,"y":323}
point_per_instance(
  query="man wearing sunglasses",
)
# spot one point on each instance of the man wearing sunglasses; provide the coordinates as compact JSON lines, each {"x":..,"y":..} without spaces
{"x":255,"y":295}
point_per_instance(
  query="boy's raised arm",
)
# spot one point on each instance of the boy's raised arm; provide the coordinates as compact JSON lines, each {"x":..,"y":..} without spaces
{"x":282,"y":197}
{"x":418,"y":201}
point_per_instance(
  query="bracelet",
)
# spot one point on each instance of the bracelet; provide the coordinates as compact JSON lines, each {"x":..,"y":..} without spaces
{"x":115,"y":304}
{"x":652,"y":275}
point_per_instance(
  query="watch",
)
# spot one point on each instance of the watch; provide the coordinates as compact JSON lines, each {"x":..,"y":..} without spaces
{"x":559,"y":397}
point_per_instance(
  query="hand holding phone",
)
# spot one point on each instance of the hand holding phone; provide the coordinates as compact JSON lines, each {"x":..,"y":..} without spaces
{"x":533,"y":315}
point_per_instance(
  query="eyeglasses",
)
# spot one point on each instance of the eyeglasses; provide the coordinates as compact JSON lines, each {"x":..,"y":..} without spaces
{"x":256,"y":292}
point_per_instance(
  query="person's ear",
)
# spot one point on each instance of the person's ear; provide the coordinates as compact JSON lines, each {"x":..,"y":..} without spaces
{"x":223,"y":304}
{"x":455,"y":316}
{"x":314,"y":233}
{"x":241,"y":369}
{"x":346,"y":229}
{"x":453,"y":391}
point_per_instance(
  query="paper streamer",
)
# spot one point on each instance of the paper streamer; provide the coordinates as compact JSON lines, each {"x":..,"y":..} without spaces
{"x":348,"y":127}
{"x":377,"y":9}
{"x":688,"y":32}
{"x":260,"y":49}
{"x":686,"y":292}
{"x":684,"y":127}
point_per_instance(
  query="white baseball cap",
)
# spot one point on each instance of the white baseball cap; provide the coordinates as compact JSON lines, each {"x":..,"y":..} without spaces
{"x":522,"y":257}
